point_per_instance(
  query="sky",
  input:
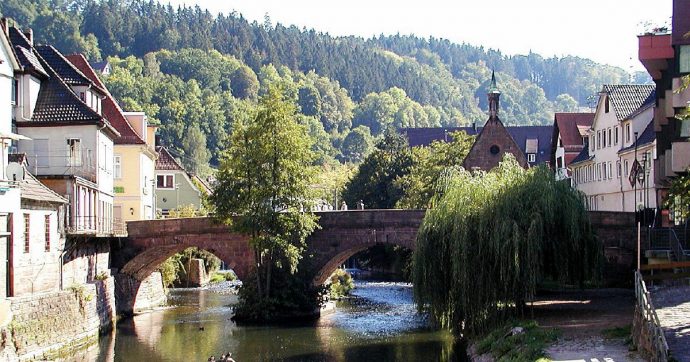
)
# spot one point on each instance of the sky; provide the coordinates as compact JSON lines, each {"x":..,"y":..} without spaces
{"x":602,"y":30}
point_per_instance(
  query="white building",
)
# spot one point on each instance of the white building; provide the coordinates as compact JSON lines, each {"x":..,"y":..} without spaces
{"x":621,"y":133}
{"x":71,"y":146}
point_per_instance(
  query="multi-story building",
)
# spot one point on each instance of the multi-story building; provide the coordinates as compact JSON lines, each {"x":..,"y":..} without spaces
{"x":175,"y":187}
{"x":71,"y":146}
{"x":134,"y":154}
{"x":666,"y":56}
{"x":615,"y":169}
{"x":569,"y":135}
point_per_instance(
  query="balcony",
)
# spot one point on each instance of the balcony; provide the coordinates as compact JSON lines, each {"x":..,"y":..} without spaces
{"x":654,"y":52}
{"x":96,"y":226}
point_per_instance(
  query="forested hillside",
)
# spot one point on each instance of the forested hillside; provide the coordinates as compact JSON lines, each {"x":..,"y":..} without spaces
{"x":197,"y":73}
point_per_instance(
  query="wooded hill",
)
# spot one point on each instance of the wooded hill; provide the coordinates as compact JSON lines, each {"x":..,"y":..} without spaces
{"x":348,"y":88}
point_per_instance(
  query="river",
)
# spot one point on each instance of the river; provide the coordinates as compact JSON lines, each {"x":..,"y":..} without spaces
{"x":379,"y":324}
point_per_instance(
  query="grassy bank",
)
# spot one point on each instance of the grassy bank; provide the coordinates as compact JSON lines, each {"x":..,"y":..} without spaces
{"x":517,"y":341}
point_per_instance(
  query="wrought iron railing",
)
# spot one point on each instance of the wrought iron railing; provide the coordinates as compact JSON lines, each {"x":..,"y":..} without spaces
{"x":96,"y":225}
{"x":655,"y":337}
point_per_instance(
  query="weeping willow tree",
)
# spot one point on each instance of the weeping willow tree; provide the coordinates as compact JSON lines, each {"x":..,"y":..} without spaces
{"x":489,"y":240}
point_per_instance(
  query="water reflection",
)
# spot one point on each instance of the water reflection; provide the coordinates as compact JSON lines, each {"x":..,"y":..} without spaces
{"x":380,"y":325}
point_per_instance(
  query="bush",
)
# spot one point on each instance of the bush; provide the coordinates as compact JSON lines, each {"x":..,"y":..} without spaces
{"x":219,"y":276}
{"x":341,"y":284}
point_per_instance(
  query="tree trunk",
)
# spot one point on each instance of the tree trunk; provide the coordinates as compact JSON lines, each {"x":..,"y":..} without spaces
{"x":269,"y":267}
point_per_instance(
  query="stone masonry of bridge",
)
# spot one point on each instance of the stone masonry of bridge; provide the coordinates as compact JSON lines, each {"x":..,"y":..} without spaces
{"x":342,"y":234}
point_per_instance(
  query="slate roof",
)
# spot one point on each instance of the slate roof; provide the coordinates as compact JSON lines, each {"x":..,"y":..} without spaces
{"x":111,"y":110}
{"x":69,"y":74}
{"x":31,"y":188}
{"x":22,"y":49}
{"x":166,"y":162}
{"x":520,"y":134}
{"x":648,"y":136}
{"x":583,"y":155}
{"x":569,"y":125}
{"x":626,"y":99}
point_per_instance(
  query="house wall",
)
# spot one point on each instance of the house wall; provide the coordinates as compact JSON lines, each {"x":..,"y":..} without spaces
{"x":29,"y":86}
{"x":135,"y":187}
{"x":84,"y":259}
{"x":187,"y":193}
{"x":56,"y":155}
{"x":38,"y":269}
{"x":608,"y":189}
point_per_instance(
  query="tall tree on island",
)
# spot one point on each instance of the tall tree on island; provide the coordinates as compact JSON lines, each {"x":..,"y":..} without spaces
{"x":263,"y":188}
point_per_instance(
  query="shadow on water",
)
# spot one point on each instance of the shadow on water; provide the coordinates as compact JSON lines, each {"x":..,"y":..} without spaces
{"x":379,"y":324}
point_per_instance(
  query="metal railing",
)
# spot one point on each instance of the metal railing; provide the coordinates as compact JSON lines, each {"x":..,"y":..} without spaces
{"x":96,"y":225}
{"x":655,"y":337}
{"x":676,"y":245}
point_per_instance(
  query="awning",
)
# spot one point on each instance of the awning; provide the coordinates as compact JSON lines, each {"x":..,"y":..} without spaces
{"x":12,"y":136}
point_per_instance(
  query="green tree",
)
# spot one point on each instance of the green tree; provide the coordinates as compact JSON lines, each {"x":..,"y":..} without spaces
{"x":375,"y":181}
{"x":196,"y":154}
{"x":565,"y":103}
{"x":429,"y":163}
{"x":489,"y":240}
{"x":264,"y":180}
{"x":357,"y":144}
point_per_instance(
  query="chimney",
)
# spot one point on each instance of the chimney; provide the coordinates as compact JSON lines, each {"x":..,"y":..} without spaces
{"x":29,"y":33}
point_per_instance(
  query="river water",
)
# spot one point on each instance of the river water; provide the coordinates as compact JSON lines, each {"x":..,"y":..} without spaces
{"x":379,"y":324}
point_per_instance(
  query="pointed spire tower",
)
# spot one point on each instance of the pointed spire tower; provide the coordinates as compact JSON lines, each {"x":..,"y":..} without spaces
{"x":493,"y":95}
{"x":494,"y":141}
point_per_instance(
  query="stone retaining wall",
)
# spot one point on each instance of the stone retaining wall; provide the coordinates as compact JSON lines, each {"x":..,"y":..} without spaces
{"x":43,"y":325}
{"x":134,"y":296}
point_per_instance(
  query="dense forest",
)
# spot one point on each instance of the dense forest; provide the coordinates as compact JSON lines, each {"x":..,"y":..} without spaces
{"x":196,"y":73}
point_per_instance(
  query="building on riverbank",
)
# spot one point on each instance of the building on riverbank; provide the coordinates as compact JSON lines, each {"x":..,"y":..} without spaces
{"x":175,"y":187}
{"x":615,"y":171}
{"x":134,"y":154}
{"x":569,"y":138}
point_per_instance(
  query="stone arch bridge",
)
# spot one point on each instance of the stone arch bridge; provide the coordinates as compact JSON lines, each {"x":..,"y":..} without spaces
{"x":342,"y":234}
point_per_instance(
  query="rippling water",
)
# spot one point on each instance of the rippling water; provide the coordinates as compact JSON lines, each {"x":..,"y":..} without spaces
{"x":379,"y":324}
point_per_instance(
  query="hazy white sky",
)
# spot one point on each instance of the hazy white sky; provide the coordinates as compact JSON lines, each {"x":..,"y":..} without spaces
{"x":602,"y":30}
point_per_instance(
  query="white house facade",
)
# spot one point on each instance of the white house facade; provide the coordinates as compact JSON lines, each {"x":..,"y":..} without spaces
{"x":620,"y":134}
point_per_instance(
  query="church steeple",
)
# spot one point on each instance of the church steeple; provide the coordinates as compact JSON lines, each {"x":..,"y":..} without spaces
{"x":494,"y":95}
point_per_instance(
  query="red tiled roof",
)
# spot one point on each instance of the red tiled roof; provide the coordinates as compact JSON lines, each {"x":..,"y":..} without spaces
{"x":568,"y":123}
{"x":111,"y":110}
{"x":166,"y":162}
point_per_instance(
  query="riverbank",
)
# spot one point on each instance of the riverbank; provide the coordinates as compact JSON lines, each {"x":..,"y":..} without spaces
{"x":592,"y":325}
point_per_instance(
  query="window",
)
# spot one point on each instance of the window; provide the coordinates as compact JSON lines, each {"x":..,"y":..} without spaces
{"x":47,"y":230}
{"x":531,"y":157}
{"x":591,"y":142}
{"x":599,"y":171}
{"x":27,"y":227}
{"x":73,"y":152}
{"x":610,"y":138}
{"x":15,"y":91}
{"x":117,"y":163}
{"x":627,"y":132}
{"x":165,"y":181}
{"x":598,"y":139}
{"x":606,"y":104}
{"x":82,"y":96}
{"x":626,"y":168}
{"x":610,"y":169}
{"x":615,"y":133}
{"x":618,"y":169}
{"x":684,"y":59}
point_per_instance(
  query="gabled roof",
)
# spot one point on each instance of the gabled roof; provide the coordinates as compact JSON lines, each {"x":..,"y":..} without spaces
{"x":628,"y":98}
{"x":69,"y":74}
{"x":99,"y":66}
{"x":111,"y":110}
{"x":22,"y":49}
{"x":520,"y":134}
{"x":32,"y":189}
{"x":582,"y":156}
{"x":648,"y":136}
{"x":166,"y":162}
{"x":568,"y":126}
